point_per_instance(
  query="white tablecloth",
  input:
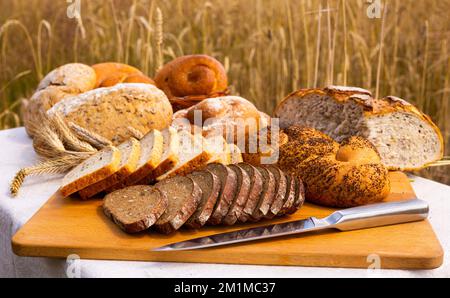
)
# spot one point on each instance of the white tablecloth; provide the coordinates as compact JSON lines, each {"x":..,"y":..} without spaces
{"x":16,"y":152}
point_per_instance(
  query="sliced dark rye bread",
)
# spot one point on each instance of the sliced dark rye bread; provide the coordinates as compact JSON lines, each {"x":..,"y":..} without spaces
{"x":299,"y":197}
{"x":256,"y":185}
{"x":183,"y":195}
{"x":280,"y":190}
{"x":210,"y":186}
{"x":228,"y":179}
{"x":290,"y":195}
{"x":267,"y":194}
{"x":242,"y":191}
{"x":135,"y":208}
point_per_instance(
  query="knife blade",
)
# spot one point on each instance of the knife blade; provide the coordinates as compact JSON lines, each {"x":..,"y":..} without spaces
{"x":362,"y":217}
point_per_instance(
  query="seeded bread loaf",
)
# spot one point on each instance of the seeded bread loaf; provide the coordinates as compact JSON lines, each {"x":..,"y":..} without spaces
{"x":110,"y":111}
{"x":228,"y":179}
{"x":337,"y":175}
{"x":184,"y":196}
{"x":406,"y":138}
{"x":210,"y":184}
{"x":135,"y":208}
{"x":96,"y":168}
{"x":130,"y":152}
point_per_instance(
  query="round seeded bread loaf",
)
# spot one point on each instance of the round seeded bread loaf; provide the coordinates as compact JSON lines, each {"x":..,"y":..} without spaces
{"x":110,"y":111}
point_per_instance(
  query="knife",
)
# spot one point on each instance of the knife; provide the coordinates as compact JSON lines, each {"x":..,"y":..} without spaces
{"x":355,"y":218}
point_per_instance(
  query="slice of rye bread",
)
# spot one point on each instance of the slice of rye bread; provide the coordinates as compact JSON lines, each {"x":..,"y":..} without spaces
{"x":290,"y":195}
{"x":184,"y":196}
{"x":256,"y":185}
{"x":241,"y":197}
{"x":151,"y":151}
{"x":210,"y":186}
{"x":299,"y":197}
{"x":267,"y":195}
{"x":169,"y":158}
{"x":97,"y":167}
{"x":228,"y":187}
{"x":280,"y":190}
{"x":135,"y":208}
{"x":129,"y":155}
{"x":192,"y":155}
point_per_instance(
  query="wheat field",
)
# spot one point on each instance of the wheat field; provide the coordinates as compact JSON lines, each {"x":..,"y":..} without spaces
{"x":269,"y":47}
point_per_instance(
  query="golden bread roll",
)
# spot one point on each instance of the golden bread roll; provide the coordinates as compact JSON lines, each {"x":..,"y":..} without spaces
{"x":197,"y":76}
{"x":338,"y":175}
{"x":112,"y":73}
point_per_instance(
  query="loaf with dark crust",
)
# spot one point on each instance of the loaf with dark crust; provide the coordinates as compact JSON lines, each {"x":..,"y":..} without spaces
{"x":184,"y":195}
{"x":210,"y":184}
{"x":256,"y":186}
{"x":228,"y":179}
{"x":241,"y":197}
{"x":135,"y":208}
{"x":345,"y":175}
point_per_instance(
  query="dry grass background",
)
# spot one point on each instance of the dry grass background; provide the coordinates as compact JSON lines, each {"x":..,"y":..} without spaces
{"x":269,"y":47}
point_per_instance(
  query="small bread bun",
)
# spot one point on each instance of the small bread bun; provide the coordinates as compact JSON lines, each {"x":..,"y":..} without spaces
{"x":338,"y":175}
{"x":197,"y":76}
{"x":112,"y":73}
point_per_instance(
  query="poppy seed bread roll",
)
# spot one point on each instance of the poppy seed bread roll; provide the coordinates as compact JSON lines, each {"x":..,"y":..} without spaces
{"x":337,"y":175}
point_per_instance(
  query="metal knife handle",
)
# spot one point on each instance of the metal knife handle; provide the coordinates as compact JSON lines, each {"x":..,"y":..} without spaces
{"x":380,"y":214}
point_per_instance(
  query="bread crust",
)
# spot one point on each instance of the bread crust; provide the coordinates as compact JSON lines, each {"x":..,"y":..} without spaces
{"x":118,"y":176}
{"x":372,"y":107}
{"x":112,"y":73}
{"x":146,"y":221}
{"x":94,"y":177}
{"x":267,"y":195}
{"x":289,"y":198}
{"x":280,"y":190}
{"x":256,"y":186}
{"x":227,"y":192}
{"x":205,"y":209}
{"x":241,"y":197}
{"x":182,"y":214}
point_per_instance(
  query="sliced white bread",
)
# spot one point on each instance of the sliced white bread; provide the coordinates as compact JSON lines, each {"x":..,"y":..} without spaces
{"x":151,"y":151}
{"x":97,"y":167}
{"x":130,"y":151}
{"x":235,"y":154}
{"x":192,"y":155}
{"x":220,"y":149}
{"x":169,"y":157}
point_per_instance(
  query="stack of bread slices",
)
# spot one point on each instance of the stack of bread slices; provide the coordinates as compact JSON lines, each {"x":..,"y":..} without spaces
{"x":156,"y":156}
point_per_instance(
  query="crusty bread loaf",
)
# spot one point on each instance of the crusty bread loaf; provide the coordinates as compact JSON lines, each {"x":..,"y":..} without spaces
{"x":112,"y":73}
{"x":110,"y":111}
{"x":130,"y":151}
{"x":406,"y":138}
{"x":65,"y":81}
{"x":135,"y":208}
{"x":345,"y":175}
{"x":96,"y":168}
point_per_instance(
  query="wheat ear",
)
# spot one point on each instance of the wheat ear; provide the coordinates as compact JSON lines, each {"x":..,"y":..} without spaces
{"x":90,"y":137}
{"x":57,"y":165}
{"x":70,"y":140}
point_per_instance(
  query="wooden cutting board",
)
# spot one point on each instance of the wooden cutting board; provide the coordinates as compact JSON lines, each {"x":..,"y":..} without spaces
{"x":65,"y":226}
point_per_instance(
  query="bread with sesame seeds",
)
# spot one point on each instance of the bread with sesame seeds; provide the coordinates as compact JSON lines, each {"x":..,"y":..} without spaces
{"x":338,"y":175}
{"x":405,"y":138}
